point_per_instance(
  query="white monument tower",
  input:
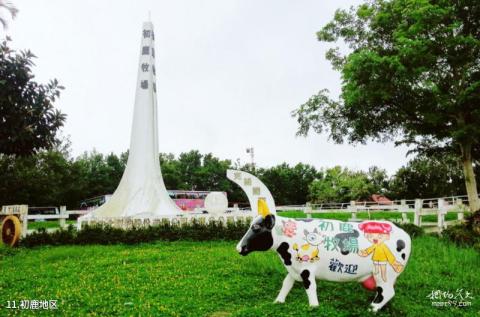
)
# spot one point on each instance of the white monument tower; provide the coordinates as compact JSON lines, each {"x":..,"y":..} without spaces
{"x":141,"y":192}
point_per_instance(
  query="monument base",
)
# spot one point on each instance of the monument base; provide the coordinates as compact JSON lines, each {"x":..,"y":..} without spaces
{"x":137,"y":222}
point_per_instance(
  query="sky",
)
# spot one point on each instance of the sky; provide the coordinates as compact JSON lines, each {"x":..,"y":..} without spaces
{"x":229,"y":74}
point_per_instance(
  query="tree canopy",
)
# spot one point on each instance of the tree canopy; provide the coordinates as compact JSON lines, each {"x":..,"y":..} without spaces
{"x":411,"y":74}
{"x":289,"y":185}
{"x":8,"y":7}
{"x":54,"y":178}
{"x":428,"y":177}
{"x":28,"y":120}
{"x":339,"y":184}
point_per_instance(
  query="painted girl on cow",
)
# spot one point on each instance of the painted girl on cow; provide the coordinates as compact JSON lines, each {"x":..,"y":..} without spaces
{"x":377,"y":233}
{"x":323,"y":249}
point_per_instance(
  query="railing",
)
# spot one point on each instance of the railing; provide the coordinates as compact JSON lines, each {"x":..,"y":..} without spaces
{"x":428,"y":202}
{"x":22,"y":212}
{"x":419,"y":207}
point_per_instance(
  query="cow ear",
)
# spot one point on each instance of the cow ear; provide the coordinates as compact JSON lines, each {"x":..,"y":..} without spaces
{"x":269,"y":221}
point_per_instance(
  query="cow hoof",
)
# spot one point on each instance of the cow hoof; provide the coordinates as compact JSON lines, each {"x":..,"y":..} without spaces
{"x":278,"y":301}
{"x":313,"y":305}
{"x":373,"y":309}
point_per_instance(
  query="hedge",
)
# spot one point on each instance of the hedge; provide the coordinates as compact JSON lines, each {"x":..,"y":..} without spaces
{"x":105,"y":234}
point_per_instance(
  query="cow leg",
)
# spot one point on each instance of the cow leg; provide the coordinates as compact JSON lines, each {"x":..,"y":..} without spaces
{"x":308,"y":278}
{"x":286,"y":287}
{"x":385,"y":292}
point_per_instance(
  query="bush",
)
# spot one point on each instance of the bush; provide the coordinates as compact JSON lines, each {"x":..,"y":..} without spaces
{"x":412,"y":230}
{"x":104,"y":234}
{"x":465,"y":234}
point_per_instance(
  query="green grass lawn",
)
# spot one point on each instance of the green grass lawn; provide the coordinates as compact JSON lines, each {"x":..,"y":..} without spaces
{"x":211,"y":279}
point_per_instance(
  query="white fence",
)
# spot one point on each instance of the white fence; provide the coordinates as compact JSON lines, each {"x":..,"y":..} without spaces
{"x":60,"y":213}
{"x":21,"y":211}
{"x":419,"y":207}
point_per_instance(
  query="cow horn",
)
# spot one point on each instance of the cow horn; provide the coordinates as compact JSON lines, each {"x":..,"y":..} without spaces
{"x":263,"y":207}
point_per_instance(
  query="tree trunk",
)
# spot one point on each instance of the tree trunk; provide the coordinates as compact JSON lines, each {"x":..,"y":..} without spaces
{"x":470,"y":181}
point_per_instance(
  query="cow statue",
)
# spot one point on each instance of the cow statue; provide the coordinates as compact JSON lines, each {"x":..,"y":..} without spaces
{"x":373,"y":253}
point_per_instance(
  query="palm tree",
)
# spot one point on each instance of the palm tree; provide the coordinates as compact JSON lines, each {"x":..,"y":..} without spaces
{"x":7,"y":6}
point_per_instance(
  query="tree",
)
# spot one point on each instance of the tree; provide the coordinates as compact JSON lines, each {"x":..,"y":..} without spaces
{"x":53,"y":178}
{"x":213,"y":173}
{"x":99,"y":174}
{"x":289,"y":185}
{"x":189,"y":165}
{"x":28,"y":120}
{"x":412,"y":75}
{"x":195,"y":171}
{"x":170,"y":171}
{"x":7,"y":6}
{"x":428,"y":177}
{"x":38,"y":180}
{"x":379,"y":179}
{"x":342,"y":185}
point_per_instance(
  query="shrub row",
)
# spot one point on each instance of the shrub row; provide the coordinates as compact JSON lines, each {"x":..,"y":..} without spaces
{"x":467,"y":233}
{"x":412,"y":230}
{"x":98,"y":234}
{"x":195,"y":231}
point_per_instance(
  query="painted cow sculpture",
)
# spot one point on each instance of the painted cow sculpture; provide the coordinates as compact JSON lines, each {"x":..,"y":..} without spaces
{"x":373,"y":253}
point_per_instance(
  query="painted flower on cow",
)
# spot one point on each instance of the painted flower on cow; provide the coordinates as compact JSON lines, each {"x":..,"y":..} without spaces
{"x":289,"y":228}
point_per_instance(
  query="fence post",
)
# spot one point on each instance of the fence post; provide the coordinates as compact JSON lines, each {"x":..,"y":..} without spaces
{"x":79,"y":224}
{"x":62,"y":221}
{"x":417,"y":219}
{"x":441,"y":214}
{"x":24,"y":218}
{"x":353,"y":210}
{"x":308,"y":210}
{"x":460,"y":207}
{"x":403,"y":210}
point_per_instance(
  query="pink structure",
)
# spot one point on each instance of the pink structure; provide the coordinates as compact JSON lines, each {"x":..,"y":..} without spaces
{"x":189,"y":200}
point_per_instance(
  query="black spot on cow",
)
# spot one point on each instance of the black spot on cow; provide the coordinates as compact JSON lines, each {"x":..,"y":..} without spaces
{"x":403,"y":256}
{"x":306,"y":282}
{"x":283,"y":251}
{"x":379,"y":297}
{"x":345,"y":237}
{"x":400,"y":245}
{"x":304,"y":219}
